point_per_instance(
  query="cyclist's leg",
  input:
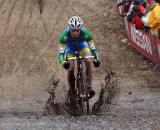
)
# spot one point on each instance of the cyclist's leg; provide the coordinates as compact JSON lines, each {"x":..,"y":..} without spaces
{"x":71,"y":78}
{"x":85,"y":51}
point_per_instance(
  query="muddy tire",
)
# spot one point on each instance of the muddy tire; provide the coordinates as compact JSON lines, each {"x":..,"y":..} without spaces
{"x":83,"y":99}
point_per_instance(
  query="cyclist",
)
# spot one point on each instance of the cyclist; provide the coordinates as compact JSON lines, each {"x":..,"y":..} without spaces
{"x":76,"y":37}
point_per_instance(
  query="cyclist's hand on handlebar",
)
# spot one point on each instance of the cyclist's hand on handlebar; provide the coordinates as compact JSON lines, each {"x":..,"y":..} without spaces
{"x":96,"y":63}
{"x":66,"y":65}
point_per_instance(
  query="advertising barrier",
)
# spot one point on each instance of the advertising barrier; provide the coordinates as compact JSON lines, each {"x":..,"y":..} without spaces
{"x":157,"y":49}
{"x":145,"y":43}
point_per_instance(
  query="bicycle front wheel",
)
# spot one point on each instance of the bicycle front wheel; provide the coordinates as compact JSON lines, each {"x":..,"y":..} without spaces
{"x":83,"y":95}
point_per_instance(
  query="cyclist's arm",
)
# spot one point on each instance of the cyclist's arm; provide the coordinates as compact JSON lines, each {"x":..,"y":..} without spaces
{"x":89,"y":38}
{"x":62,"y":47}
{"x":93,"y":49}
{"x":61,"y":53}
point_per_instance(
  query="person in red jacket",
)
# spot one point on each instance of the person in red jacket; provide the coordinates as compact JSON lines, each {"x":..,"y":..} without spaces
{"x":138,"y":13}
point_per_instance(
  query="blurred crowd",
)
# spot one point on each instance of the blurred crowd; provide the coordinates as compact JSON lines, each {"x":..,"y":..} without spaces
{"x":144,"y":14}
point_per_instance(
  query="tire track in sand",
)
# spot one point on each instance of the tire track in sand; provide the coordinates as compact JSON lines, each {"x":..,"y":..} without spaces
{"x":59,"y":11}
{"x":21,"y":15}
{"x":18,"y":61}
{"x":1,"y":4}
{"x":30,"y":12}
{"x":9,"y":17}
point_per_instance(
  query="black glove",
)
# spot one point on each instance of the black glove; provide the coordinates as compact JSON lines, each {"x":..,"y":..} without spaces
{"x":96,"y":63}
{"x":147,"y":28}
{"x":66,"y":65}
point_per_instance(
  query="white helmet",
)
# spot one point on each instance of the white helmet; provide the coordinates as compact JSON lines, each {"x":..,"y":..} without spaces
{"x":75,"y":22}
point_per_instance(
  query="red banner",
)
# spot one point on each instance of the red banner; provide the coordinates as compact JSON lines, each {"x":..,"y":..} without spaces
{"x":140,"y":40}
{"x":157,"y":49}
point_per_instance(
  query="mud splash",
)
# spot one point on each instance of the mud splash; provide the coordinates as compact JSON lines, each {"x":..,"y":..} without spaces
{"x":108,"y":94}
{"x":51,"y":107}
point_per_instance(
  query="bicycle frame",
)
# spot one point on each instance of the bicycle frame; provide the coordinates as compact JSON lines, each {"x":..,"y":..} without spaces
{"x":81,"y":83}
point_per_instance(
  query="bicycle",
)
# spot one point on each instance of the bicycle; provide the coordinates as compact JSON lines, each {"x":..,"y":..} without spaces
{"x":81,"y":84}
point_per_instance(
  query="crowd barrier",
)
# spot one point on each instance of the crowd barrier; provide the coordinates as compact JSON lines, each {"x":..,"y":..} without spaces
{"x":145,"y":43}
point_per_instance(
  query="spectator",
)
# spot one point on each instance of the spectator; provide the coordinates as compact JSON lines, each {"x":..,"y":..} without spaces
{"x":144,"y":3}
{"x":126,"y":5}
{"x":138,"y":13}
{"x":152,"y":19}
{"x":131,"y":13}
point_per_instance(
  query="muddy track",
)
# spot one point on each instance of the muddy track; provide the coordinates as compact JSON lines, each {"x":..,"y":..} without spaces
{"x":108,"y":95}
{"x":28,"y":61}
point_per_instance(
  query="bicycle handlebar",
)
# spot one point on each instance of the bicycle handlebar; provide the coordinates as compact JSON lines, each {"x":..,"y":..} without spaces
{"x":75,"y":58}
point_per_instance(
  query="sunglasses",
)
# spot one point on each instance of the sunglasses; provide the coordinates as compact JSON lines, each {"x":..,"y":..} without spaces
{"x":75,"y":30}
